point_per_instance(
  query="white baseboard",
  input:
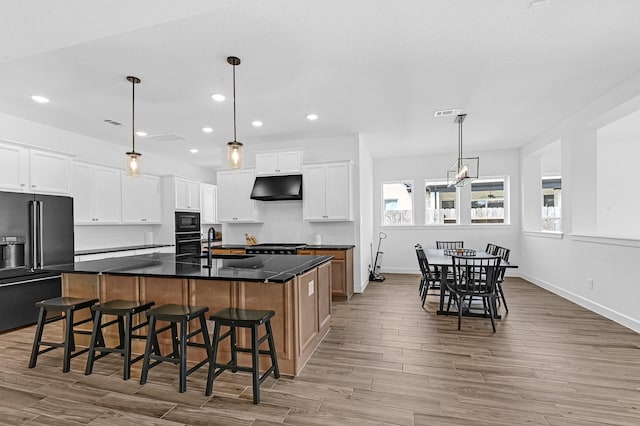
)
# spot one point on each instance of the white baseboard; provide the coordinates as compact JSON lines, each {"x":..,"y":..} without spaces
{"x":621,"y":319}
{"x":401,"y":271}
{"x":363,"y":285}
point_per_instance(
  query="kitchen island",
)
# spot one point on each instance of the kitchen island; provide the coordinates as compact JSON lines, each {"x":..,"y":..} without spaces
{"x":297,"y":288}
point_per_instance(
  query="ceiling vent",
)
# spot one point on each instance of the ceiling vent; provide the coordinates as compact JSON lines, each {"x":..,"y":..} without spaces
{"x":115,"y":123}
{"x":447,"y":112}
{"x":164,"y":137}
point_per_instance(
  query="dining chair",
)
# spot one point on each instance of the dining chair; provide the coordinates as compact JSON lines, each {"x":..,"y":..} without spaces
{"x":449,"y":244}
{"x":430,"y":277}
{"x":491,"y":249}
{"x":503,"y":253}
{"x":475,"y":277}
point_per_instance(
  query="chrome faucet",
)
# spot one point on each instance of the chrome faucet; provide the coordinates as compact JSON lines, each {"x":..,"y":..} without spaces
{"x":211,"y":236}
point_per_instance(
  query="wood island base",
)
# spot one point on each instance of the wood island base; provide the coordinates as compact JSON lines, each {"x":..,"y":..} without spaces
{"x":302,"y":306}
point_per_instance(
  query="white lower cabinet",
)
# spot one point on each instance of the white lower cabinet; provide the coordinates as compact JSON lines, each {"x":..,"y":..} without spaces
{"x":141,"y":200}
{"x":327,"y":192}
{"x":234,"y":202}
{"x":96,"y":195}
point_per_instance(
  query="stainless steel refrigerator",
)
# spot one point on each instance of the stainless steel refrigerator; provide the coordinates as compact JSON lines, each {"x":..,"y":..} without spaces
{"x":36,"y":231}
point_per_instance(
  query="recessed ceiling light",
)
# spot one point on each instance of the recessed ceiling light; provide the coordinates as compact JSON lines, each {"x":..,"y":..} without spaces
{"x":218,"y":97}
{"x":538,"y":3}
{"x":256,"y":123}
{"x":193,"y":151}
{"x":312,"y":117}
{"x":40,"y":99}
{"x":141,"y":133}
{"x":207,"y":129}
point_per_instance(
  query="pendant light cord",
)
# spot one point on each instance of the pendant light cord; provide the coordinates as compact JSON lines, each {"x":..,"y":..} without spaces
{"x":459,"y":144}
{"x":234,"y":104}
{"x":133,"y":115}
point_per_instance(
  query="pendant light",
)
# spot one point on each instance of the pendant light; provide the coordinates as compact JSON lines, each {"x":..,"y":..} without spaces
{"x":235,"y":154}
{"x":133,"y":157}
{"x":464,"y":169}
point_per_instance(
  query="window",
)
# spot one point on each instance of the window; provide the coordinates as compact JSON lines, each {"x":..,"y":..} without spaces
{"x":552,"y":204}
{"x":488,"y":201}
{"x":440,"y":203}
{"x":397,"y":203}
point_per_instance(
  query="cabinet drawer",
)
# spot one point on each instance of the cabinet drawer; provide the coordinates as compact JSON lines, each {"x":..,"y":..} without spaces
{"x":337,"y":254}
{"x":306,"y":252}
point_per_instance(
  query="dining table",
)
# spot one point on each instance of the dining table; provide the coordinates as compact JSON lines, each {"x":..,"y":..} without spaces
{"x":439,"y":259}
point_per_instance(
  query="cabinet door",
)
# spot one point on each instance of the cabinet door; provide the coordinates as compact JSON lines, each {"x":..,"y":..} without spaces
{"x":314,"y":193}
{"x":290,"y":162}
{"x":107,"y":197}
{"x":152,"y":197}
{"x":226,"y":197}
{"x":49,"y":173}
{"x":182,"y":194}
{"x":246,"y":208}
{"x":208,"y":203}
{"x":338,"y":192}
{"x":83,"y":194}
{"x":14,"y":168}
{"x":266,"y":164}
{"x":194,"y":195}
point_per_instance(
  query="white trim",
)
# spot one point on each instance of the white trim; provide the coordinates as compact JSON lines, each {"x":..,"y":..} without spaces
{"x":401,"y":271}
{"x":452,"y":226}
{"x":618,"y":317}
{"x":602,"y":239}
{"x":544,"y":234}
{"x":363,"y":285}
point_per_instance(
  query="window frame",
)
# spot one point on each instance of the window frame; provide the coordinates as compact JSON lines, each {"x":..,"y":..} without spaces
{"x":457,"y":202}
{"x":507,"y":200}
{"x":382,"y":203}
{"x":542,"y":218}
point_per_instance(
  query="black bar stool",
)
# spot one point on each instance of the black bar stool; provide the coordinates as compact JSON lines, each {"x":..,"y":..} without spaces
{"x":124,"y":310}
{"x":175,"y":314}
{"x":67,"y":306}
{"x":246,"y":318}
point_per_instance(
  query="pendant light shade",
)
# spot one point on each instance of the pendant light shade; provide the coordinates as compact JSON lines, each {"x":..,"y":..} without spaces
{"x":464,"y":169}
{"x":133,"y":157}
{"x":235,"y":152}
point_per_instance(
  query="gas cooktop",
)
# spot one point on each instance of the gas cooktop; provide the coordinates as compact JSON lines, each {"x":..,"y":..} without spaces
{"x":275,"y":248}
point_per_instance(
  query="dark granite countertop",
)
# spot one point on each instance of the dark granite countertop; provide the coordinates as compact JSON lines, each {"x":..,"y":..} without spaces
{"x":308,"y":246}
{"x":263,"y":268}
{"x":125,"y":248}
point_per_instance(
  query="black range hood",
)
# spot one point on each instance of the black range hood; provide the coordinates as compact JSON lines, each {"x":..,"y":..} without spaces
{"x":277,"y":188}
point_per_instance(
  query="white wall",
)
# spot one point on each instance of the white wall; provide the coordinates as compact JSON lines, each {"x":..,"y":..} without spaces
{"x":398,"y":248}
{"x":366,"y":216}
{"x":564,"y":265}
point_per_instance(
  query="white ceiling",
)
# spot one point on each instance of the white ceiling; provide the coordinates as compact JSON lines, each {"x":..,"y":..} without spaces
{"x":379,"y":68}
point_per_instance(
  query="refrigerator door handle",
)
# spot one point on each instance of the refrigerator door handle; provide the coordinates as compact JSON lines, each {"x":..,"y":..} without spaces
{"x":34,"y":234}
{"x":41,"y":235}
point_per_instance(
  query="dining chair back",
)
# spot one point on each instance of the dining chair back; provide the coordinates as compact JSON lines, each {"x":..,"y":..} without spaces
{"x":491,"y":249}
{"x":475,"y":277}
{"x":429,"y":277}
{"x":503,"y":253}
{"x":449,"y":244}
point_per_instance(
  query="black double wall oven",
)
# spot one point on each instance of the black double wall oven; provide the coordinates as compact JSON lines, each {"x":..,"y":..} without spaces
{"x":188,"y":233}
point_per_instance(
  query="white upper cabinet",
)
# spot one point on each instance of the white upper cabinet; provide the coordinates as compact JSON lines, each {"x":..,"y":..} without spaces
{"x":29,"y":170}
{"x":14,"y":168}
{"x":96,"y":195}
{"x":141,"y":200}
{"x":234,"y":202}
{"x":279,"y":163}
{"x":327,"y":192}
{"x":187,"y":194}
{"x":208,"y":199}
{"x":49,"y":172}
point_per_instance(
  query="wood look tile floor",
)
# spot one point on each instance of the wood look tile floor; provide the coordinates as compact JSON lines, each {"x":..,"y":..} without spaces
{"x":386,"y":361}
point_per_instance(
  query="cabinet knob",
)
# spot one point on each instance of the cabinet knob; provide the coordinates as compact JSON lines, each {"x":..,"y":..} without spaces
{"x":33,"y":186}
{"x":22,"y":184}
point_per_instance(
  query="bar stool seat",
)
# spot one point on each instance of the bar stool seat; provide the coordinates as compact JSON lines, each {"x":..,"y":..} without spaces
{"x":124,"y":310}
{"x":67,"y":306}
{"x":175,"y":315}
{"x":246,"y":318}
